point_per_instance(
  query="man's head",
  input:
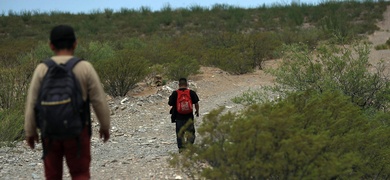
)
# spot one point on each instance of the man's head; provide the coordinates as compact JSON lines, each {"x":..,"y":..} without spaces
{"x":62,"y":37}
{"x":183,"y":83}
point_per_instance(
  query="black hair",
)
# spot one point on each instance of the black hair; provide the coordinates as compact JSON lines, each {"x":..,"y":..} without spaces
{"x":62,"y":37}
{"x":182,"y":82}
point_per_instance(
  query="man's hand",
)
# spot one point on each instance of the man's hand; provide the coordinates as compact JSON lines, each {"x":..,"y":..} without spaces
{"x":31,"y":141}
{"x":197,"y":113}
{"x":104,"y":134}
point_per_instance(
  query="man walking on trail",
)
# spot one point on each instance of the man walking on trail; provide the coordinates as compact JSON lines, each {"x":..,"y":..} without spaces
{"x":182,"y":101}
{"x":76,"y":150}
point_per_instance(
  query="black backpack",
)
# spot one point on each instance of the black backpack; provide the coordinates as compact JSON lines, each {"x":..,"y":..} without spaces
{"x":60,"y":109}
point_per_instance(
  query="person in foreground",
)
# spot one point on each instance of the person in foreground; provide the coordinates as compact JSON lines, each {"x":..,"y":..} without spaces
{"x":57,"y":104}
{"x":182,"y":101}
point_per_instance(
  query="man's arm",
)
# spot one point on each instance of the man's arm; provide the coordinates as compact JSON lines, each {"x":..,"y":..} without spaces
{"x":195,"y":100}
{"x":98,"y":100}
{"x":172,"y":99}
{"x":197,"y":109}
{"x":30,"y":126}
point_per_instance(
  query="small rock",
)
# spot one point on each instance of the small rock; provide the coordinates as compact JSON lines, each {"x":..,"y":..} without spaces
{"x":34,"y":176}
{"x":124,"y":100}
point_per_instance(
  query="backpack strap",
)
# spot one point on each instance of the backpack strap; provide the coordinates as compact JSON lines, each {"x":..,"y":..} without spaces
{"x":69,"y":65}
{"x":86,"y":114}
{"x":49,"y":63}
{"x":72,"y":62}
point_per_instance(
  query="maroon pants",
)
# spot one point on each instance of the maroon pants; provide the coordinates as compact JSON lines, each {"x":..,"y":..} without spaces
{"x":77,"y":155}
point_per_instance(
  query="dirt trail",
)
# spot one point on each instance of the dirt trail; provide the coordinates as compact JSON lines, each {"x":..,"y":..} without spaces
{"x":380,"y":37}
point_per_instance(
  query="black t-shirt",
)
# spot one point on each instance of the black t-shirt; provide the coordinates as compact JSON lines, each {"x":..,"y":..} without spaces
{"x":172,"y":102}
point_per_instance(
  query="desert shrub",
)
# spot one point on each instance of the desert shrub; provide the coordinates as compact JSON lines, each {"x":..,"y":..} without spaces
{"x":14,"y":85}
{"x":295,"y":16}
{"x":383,"y":46}
{"x":26,"y":15}
{"x":307,"y":135}
{"x":388,"y":42}
{"x":108,"y":13}
{"x":262,"y":46}
{"x":95,"y":51}
{"x":240,"y":53}
{"x":331,"y":68}
{"x":187,"y":44}
{"x":310,"y":36}
{"x":122,"y":72}
{"x":255,"y":96}
{"x":156,"y":70}
{"x":15,"y":80}
{"x":183,"y":66}
{"x":234,"y":61}
{"x":11,"y":125}
{"x":230,"y":52}
{"x":197,"y":8}
{"x":90,"y":27}
{"x":10,"y":50}
{"x":7,"y":79}
{"x":145,"y":10}
{"x":165,"y":16}
{"x":158,"y":51}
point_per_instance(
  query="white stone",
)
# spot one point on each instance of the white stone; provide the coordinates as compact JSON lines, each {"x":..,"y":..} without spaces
{"x":124,"y":100}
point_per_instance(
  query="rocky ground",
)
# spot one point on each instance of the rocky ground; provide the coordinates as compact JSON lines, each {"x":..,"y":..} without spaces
{"x":143,"y":136}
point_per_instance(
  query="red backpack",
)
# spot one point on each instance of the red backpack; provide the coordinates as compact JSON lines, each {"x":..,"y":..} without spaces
{"x":184,"y":102}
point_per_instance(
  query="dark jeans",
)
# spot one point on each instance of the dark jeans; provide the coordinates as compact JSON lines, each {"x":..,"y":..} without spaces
{"x":185,"y":130}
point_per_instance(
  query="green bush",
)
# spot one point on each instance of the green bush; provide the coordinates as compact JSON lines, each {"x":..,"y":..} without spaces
{"x":184,"y":66}
{"x":108,"y":13}
{"x":11,"y":125}
{"x":383,"y":46}
{"x":258,"y":96}
{"x":165,"y":17}
{"x":234,"y":61}
{"x":15,"y":80}
{"x":16,"y":77}
{"x":7,"y":88}
{"x":95,"y":51}
{"x":26,"y":16}
{"x":305,"y":136}
{"x":333,"y":68}
{"x":231,"y":52}
{"x":122,"y":72}
{"x":262,"y":47}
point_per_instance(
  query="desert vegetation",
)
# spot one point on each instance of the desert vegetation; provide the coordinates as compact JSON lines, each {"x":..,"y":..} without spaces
{"x":330,"y":117}
{"x":325,"y":118}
